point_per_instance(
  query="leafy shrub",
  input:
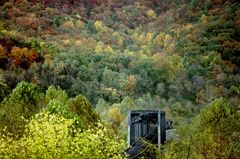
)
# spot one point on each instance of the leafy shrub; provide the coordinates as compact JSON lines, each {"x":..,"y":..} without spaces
{"x":50,"y":136}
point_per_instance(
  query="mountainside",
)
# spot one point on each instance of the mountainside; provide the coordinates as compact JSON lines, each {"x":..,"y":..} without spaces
{"x":174,"y":55}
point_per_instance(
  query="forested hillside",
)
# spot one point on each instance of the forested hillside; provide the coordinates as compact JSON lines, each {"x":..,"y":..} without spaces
{"x":70,"y":70}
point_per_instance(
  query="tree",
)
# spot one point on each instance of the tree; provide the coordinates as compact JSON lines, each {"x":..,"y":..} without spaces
{"x":102,"y":108}
{"x":115,"y":116}
{"x":3,"y":89}
{"x":214,"y":133}
{"x":16,"y":109}
{"x":23,"y":57}
{"x":217,"y":131}
{"x":57,"y":94}
{"x":77,"y":108}
{"x":81,"y":107}
{"x":3,"y":57}
{"x":131,"y":84}
{"x":50,"y":136}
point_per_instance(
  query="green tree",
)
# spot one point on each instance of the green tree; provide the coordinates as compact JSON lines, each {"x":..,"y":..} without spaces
{"x":214,"y":133}
{"x":57,"y":94}
{"x":102,"y":108}
{"x":3,"y":89}
{"x":77,"y":108}
{"x":16,"y":109}
{"x":82,"y":108}
{"x":217,"y":131}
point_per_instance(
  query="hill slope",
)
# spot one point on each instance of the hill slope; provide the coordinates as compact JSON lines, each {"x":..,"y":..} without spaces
{"x":181,"y":56}
{"x":157,"y":54}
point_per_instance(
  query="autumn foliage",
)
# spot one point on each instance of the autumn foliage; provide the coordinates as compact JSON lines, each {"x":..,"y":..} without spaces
{"x":119,"y":55}
{"x":23,"y":57}
{"x":17,"y":57}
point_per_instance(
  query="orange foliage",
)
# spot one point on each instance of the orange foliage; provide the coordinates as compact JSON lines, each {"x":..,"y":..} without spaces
{"x":15,"y":12}
{"x":23,"y":56}
{"x":28,"y":22}
{"x":231,"y":44}
{"x":48,"y":31}
{"x":218,"y":2}
{"x":230,"y":65}
{"x":3,"y":53}
{"x":215,"y":11}
{"x":237,"y":20}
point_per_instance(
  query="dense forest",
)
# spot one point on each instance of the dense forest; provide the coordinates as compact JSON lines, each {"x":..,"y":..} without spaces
{"x":70,"y":70}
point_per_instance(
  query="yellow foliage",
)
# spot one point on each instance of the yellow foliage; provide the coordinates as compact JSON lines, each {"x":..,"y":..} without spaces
{"x":151,"y":14}
{"x":173,"y":64}
{"x":67,"y":41}
{"x":1,"y":25}
{"x":135,"y":36}
{"x":115,"y":115}
{"x":55,"y":137}
{"x":204,"y":18}
{"x":51,"y":11}
{"x":42,"y":44}
{"x":78,"y":42}
{"x":99,"y":48}
{"x":128,"y":52}
{"x":80,"y":24}
{"x":48,"y":58}
{"x":141,"y":38}
{"x":167,"y":37}
{"x":102,"y":48}
{"x":143,"y":54}
{"x":160,"y":39}
{"x":131,"y":85}
{"x":189,"y":26}
{"x":149,"y":37}
{"x":120,"y":42}
{"x":100,"y":26}
{"x":138,"y":5}
{"x":109,"y":49}
{"x":68,"y":25}
{"x":116,"y":35}
{"x":168,"y":43}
